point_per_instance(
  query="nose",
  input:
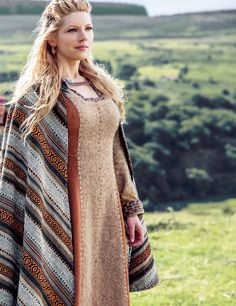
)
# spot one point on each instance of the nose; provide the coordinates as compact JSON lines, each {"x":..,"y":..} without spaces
{"x":82,"y":35}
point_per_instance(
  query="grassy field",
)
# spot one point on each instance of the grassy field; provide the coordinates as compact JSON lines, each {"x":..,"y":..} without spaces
{"x":142,"y":27}
{"x":207,"y":77}
{"x":195,"y":252}
{"x":159,"y":49}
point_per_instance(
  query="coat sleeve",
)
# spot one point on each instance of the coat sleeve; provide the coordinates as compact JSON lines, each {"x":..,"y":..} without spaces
{"x":13,"y":177}
{"x":130,"y":202}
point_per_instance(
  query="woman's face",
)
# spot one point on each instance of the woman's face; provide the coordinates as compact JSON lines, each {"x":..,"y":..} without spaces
{"x":76,"y":30}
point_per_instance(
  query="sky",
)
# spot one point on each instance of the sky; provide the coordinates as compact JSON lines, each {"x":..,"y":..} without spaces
{"x":169,"y":7}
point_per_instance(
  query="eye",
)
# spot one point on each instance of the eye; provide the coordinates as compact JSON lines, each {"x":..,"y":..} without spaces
{"x":89,"y":28}
{"x":71,"y":30}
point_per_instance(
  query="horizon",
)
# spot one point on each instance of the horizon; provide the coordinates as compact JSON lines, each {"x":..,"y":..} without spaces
{"x":173,"y":7}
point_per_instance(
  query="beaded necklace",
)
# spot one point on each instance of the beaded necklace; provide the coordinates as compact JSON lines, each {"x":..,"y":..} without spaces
{"x":69,"y":82}
{"x":93,"y":99}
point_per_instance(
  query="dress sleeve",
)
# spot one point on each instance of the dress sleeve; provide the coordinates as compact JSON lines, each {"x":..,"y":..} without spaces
{"x":130,"y":202}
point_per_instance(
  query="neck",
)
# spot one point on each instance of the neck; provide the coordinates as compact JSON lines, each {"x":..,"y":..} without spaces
{"x":70,"y":70}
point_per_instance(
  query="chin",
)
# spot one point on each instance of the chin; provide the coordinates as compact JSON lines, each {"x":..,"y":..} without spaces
{"x":79,"y":57}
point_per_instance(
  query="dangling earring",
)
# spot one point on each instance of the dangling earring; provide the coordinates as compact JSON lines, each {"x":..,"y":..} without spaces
{"x":54,"y":50}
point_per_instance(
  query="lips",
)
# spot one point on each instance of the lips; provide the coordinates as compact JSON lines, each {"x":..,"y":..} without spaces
{"x":78,"y":47}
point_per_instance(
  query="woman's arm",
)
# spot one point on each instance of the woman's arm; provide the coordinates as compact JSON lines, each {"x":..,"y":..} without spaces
{"x":131,"y":204}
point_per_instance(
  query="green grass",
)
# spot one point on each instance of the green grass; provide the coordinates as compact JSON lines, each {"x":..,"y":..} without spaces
{"x":179,"y":53}
{"x":157,"y":72}
{"x":142,"y":27}
{"x":158,"y":47}
{"x":195,"y":253}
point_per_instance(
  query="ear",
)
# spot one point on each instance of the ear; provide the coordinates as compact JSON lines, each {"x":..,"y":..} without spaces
{"x":52,"y":43}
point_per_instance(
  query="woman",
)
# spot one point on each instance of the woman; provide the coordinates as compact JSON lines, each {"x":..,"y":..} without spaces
{"x":68,"y":196}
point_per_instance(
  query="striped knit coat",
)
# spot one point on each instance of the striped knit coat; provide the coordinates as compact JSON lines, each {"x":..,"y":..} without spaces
{"x":25,"y":188}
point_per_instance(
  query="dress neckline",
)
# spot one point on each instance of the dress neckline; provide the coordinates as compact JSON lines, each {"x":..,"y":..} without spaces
{"x":76,"y":100}
{"x":100,"y":95}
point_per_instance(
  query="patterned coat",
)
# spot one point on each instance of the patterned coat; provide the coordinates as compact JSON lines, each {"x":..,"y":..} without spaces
{"x":26,"y":187}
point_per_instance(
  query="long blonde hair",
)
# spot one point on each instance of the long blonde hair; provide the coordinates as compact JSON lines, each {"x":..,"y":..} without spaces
{"x":42,"y":67}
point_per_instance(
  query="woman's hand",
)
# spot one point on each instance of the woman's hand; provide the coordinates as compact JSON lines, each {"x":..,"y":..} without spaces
{"x":136,"y":231}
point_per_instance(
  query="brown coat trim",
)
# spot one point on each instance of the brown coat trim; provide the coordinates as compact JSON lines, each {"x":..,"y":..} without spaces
{"x":73,"y":122}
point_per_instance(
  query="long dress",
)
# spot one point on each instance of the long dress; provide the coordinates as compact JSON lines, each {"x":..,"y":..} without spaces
{"x":98,"y":184}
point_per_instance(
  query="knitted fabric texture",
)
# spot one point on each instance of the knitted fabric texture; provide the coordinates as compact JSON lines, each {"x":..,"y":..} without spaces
{"x":103,"y":258}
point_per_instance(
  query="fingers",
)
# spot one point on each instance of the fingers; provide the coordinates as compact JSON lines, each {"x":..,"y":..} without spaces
{"x":136,"y":235}
{"x":132,"y":233}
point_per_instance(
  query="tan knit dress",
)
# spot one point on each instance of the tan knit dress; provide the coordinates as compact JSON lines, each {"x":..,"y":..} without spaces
{"x":97,"y":176}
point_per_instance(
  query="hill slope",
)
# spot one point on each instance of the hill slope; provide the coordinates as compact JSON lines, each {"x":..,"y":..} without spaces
{"x":196,"y":25}
{"x":182,"y":113}
{"x":99,"y":8}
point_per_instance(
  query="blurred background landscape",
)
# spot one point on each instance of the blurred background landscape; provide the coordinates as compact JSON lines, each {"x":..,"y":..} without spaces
{"x":179,"y":73}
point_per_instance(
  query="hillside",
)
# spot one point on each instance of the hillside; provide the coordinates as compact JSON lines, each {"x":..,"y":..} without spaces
{"x":99,"y":8}
{"x":139,"y":27}
{"x":179,"y":73}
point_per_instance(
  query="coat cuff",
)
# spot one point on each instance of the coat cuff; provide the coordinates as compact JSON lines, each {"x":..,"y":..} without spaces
{"x":132,"y":208}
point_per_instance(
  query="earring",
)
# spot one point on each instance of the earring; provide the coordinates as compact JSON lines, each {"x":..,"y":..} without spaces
{"x":53,"y":50}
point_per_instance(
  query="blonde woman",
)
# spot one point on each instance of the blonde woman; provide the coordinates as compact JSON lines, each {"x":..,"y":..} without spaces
{"x":72,"y":230}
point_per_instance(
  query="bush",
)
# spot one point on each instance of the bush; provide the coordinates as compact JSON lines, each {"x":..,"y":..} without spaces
{"x":127,"y":71}
{"x":195,"y":85}
{"x":149,"y":83}
{"x":8,"y":76}
{"x":158,"y":99}
{"x":106,"y":64}
{"x":225,"y":92}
